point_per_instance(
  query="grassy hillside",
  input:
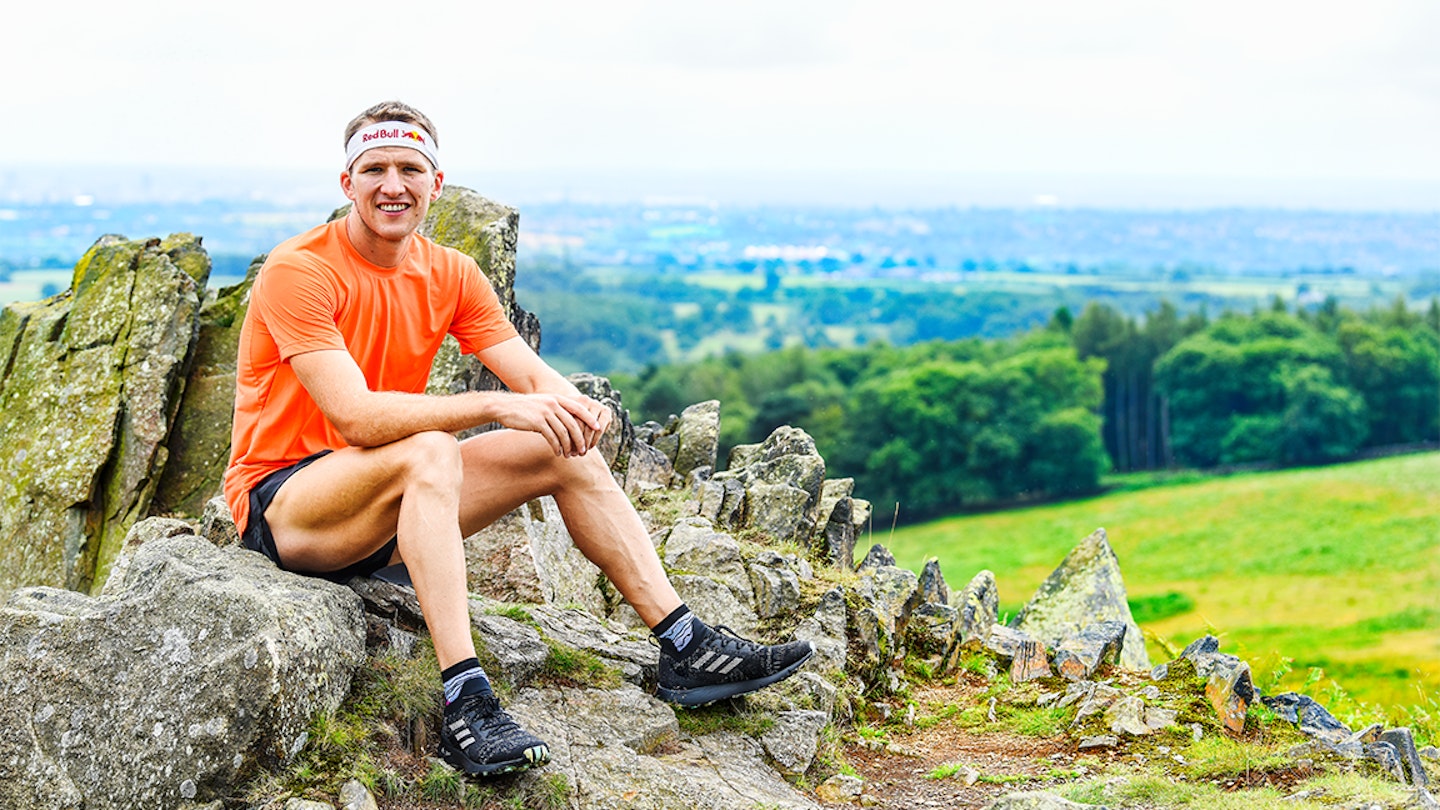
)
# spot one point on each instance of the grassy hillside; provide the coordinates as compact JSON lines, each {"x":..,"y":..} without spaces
{"x":1335,"y":567}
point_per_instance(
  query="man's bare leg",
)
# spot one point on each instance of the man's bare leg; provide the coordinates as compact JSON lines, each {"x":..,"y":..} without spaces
{"x":346,"y":505}
{"x":598,"y":515}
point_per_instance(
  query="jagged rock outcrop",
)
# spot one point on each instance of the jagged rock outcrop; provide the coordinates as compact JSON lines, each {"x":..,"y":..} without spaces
{"x":199,"y":443}
{"x":203,"y":665}
{"x":1085,"y":589}
{"x":89,"y":381}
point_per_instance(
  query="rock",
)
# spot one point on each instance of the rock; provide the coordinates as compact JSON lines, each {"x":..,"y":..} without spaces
{"x":1389,"y":759}
{"x":1231,"y":694}
{"x":891,"y":594}
{"x":979,"y":606}
{"x":826,"y":631}
{"x":694,"y":546}
{"x":208,"y":664}
{"x":1312,"y":718}
{"x":306,"y":804}
{"x":782,"y":478}
{"x":1029,"y":662}
{"x":1085,"y":589}
{"x":1037,"y":800}
{"x":1098,"y":741}
{"x":1404,"y":743}
{"x":877,"y":557}
{"x":794,"y":739}
{"x":832,"y":492}
{"x":621,"y":748}
{"x":217,"y":525}
{"x":618,"y":442}
{"x":1430,"y":752}
{"x":776,"y":586}
{"x":839,"y":535}
{"x":1078,"y":657}
{"x":1005,"y":641}
{"x":528,"y":556}
{"x":699,"y":435}
{"x":199,"y":442}
{"x":840,"y":789}
{"x":354,"y":796}
{"x":715,"y":603}
{"x":516,"y":649}
{"x":101,"y":367}
{"x":1159,"y":719}
{"x":933,"y":626}
{"x":647,"y":471}
{"x":932,"y":583}
{"x":635,"y":658}
{"x":1127,"y":716}
{"x":140,"y":534}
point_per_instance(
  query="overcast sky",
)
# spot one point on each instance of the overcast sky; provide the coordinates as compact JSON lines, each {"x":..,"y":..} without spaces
{"x":1231,"y":93}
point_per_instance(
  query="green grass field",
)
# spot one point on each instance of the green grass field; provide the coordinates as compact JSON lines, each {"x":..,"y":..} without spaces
{"x":1334,"y":567}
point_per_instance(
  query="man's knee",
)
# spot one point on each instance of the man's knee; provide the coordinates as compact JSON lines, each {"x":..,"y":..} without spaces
{"x":432,"y":456}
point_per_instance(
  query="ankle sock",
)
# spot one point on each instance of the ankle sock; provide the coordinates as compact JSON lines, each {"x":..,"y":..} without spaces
{"x":456,"y":676}
{"x":679,"y":630}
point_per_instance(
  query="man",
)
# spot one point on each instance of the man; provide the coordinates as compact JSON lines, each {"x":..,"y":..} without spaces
{"x":341,"y":465}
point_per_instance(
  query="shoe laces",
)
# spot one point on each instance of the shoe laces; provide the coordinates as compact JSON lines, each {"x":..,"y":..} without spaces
{"x":486,"y":718}
{"x":732,"y":642}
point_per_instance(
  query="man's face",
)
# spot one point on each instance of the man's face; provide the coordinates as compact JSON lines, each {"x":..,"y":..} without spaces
{"x":391,"y":188}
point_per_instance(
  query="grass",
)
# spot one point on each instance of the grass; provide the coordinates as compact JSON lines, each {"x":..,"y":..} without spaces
{"x":1335,"y":567}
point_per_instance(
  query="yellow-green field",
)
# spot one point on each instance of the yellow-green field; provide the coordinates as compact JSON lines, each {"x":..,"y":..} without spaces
{"x":1334,"y":567}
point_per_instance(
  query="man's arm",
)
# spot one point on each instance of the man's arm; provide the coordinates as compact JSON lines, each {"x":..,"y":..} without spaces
{"x":522,"y":370}
{"x":368,"y":418}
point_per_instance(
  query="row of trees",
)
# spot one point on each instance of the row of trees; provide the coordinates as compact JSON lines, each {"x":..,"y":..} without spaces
{"x":943,"y":425}
{"x":1274,"y":386}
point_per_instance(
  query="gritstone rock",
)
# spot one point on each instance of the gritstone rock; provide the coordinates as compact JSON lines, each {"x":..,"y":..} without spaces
{"x":782,"y":478}
{"x":979,"y":606}
{"x":1086,"y":588}
{"x":1231,"y":693}
{"x":199,"y":443}
{"x":1037,"y":800}
{"x":776,"y":585}
{"x":622,"y":749}
{"x":699,"y":435}
{"x":932,"y":583}
{"x":529,"y":556}
{"x":1078,"y":657}
{"x":1029,"y":662}
{"x":794,"y":739}
{"x":826,"y":630}
{"x":839,"y":535}
{"x":695,"y":546}
{"x":101,"y":367}
{"x":213,"y":657}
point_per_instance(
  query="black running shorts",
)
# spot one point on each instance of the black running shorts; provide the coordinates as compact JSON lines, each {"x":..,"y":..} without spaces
{"x":257,"y":535}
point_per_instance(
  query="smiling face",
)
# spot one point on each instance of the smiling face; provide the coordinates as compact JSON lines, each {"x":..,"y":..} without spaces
{"x":391,"y":188}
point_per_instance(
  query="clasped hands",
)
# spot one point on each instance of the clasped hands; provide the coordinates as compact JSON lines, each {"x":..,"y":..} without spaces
{"x":571,"y":424}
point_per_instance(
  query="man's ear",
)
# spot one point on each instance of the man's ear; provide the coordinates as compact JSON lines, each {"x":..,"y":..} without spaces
{"x":346,"y":186}
{"x":439,"y":185}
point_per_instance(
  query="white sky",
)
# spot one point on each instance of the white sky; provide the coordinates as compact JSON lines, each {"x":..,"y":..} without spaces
{"x":1250,"y":90}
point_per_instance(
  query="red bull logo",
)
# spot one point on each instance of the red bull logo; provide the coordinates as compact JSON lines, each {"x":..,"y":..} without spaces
{"x":392,"y":133}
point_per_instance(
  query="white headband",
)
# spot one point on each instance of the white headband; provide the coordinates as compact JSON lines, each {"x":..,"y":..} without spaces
{"x":391,"y":133}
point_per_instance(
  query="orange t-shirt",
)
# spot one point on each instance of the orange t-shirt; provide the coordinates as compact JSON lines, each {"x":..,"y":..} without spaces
{"x":316,"y":292}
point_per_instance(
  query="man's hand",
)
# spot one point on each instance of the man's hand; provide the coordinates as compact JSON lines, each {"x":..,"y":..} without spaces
{"x":572,"y":425}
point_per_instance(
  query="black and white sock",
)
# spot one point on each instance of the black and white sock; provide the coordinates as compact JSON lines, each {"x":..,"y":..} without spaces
{"x":679,"y":630}
{"x":455,"y":677}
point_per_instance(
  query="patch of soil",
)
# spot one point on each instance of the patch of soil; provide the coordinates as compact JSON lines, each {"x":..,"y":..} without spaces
{"x":897,"y":779}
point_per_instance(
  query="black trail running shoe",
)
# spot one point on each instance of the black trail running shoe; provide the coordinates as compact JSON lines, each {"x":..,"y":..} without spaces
{"x":478,"y":737}
{"x":726,"y":665}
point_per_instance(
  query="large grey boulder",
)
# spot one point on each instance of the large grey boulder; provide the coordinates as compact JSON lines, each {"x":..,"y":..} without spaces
{"x":694,"y":546}
{"x":623,"y":749}
{"x":206,"y":664}
{"x":89,"y":381}
{"x":699,"y":438}
{"x":1087,"y":588}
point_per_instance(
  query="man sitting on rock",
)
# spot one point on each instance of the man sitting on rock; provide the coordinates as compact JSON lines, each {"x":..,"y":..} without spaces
{"x":341,"y":465}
